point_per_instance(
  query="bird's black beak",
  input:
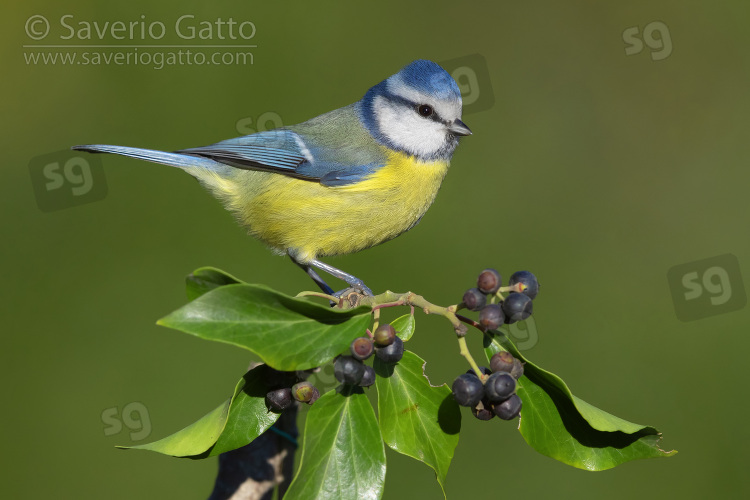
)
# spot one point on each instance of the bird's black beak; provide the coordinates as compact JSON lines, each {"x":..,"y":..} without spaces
{"x":459,"y":128}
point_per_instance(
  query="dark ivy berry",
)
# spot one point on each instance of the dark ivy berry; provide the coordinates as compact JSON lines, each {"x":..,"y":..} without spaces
{"x":348,"y":370}
{"x":279,"y":399}
{"x":502,"y":362}
{"x":361,"y":348}
{"x":391,"y":353}
{"x":368,"y":378}
{"x":517,"y":307}
{"x":483,"y":410}
{"x":482,"y":369}
{"x":384,"y":335}
{"x":467,"y":390}
{"x":474,"y":300}
{"x":517,"y":370}
{"x":303,"y":391}
{"x":499,"y":386}
{"x":530,"y":283}
{"x":489,"y":281}
{"x":491,"y":316}
{"x":508,"y":409}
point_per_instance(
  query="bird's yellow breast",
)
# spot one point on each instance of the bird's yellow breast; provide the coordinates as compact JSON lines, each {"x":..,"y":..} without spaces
{"x":314,"y":220}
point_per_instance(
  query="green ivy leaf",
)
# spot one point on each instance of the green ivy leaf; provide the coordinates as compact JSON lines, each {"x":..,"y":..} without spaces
{"x":194,"y":439}
{"x":233,"y":424}
{"x":416,"y":418}
{"x":249,"y":416}
{"x":342,"y":453}
{"x":566,"y":428}
{"x":205,"y":279}
{"x":286,"y":332}
{"x":404,"y":326}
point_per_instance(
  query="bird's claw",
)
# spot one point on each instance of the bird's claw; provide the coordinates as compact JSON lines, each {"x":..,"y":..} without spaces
{"x":352,"y":296}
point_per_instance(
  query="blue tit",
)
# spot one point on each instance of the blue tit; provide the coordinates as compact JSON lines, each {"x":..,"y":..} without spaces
{"x":341,"y":182}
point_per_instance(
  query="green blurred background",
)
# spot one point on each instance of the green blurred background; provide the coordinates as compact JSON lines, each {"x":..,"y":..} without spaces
{"x":597,"y":170}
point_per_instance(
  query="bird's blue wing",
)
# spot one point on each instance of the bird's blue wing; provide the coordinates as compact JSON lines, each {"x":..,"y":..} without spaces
{"x":333,"y":149}
{"x":277,"y":150}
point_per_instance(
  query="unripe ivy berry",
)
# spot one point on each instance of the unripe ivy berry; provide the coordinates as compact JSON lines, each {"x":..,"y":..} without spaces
{"x":517,"y":307}
{"x":517,"y":371}
{"x":361,"y":348}
{"x":499,"y":386}
{"x":502,"y":362}
{"x":474,"y":300}
{"x":391,"y":353}
{"x":279,"y":399}
{"x":384,"y":335}
{"x":348,"y":370}
{"x":368,"y":378}
{"x":489,"y":281}
{"x":315,"y":396}
{"x":303,"y":391}
{"x":491,"y":316}
{"x":508,"y":409}
{"x":467,"y":390}
{"x":530,"y":283}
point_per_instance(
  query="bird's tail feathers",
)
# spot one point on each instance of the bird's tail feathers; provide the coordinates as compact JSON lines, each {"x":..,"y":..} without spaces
{"x":172,"y":159}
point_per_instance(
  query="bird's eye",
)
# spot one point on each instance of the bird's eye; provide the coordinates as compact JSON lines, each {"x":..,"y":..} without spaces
{"x":425,"y":110}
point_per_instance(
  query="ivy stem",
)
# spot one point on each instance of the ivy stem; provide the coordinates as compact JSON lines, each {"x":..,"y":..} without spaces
{"x":518,"y":288}
{"x":322,"y":295}
{"x":392,"y":299}
{"x":463,"y":348}
{"x":389,"y":304}
{"x":471,"y":322}
{"x":376,"y":319}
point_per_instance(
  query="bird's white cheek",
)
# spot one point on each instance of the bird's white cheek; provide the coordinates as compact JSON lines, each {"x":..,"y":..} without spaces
{"x":409,"y":131}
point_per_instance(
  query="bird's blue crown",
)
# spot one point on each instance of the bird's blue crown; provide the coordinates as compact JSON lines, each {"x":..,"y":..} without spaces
{"x":428,"y":77}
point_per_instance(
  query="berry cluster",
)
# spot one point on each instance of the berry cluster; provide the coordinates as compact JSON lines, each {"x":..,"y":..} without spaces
{"x":287,"y":387}
{"x":494,"y":393}
{"x":516,"y":306}
{"x":385,"y":344}
{"x":348,"y":369}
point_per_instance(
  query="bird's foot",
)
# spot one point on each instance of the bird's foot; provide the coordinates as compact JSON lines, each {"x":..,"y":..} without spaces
{"x":353,"y":295}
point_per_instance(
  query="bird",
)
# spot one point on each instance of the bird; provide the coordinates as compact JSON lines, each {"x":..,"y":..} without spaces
{"x":341,"y":182}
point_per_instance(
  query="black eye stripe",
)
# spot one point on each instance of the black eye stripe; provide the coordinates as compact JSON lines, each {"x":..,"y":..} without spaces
{"x":435,"y":116}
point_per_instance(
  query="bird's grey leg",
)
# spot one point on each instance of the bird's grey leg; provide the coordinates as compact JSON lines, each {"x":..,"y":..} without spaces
{"x":350,"y":280}
{"x":315,"y":277}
